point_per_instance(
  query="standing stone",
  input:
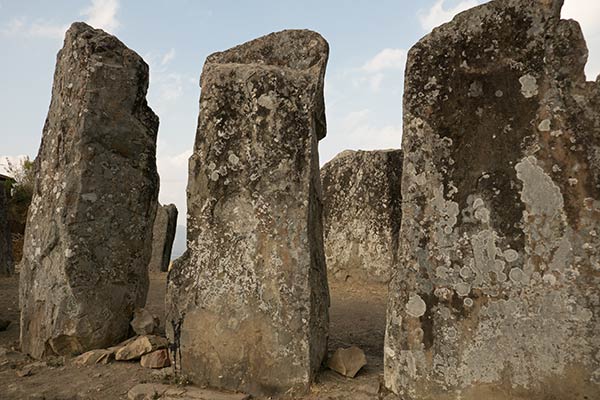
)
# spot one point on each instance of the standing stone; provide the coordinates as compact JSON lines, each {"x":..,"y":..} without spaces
{"x":497,"y":294}
{"x":89,"y":230}
{"x":362,"y":212}
{"x":247,"y":304}
{"x":163,"y":236}
{"x":6,"y":261}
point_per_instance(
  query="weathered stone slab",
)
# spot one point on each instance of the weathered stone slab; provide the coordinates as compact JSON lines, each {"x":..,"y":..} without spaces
{"x":140,"y":346}
{"x":497,"y":293}
{"x":89,"y":231}
{"x":247,"y":304}
{"x":165,"y":225}
{"x":6,"y":261}
{"x":362,"y":212}
{"x":151,"y":391}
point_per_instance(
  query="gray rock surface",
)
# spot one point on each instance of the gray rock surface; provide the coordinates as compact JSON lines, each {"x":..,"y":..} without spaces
{"x":362,"y":212}
{"x":89,"y":231}
{"x":6,"y":261}
{"x":247,"y":304}
{"x":163,"y":236}
{"x":497,"y":293}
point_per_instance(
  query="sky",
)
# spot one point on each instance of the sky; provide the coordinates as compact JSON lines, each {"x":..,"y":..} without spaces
{"x":368,"y":42}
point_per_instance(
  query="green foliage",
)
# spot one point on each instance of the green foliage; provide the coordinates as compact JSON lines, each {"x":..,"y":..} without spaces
{"x":23,"y":174}
{"x":21,"y":192}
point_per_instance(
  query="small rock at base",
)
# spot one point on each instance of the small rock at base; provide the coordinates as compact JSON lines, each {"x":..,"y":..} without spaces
{"x":140,"y":346}
{"x":156,"y":359}
{"x":348,"y":361}
{"x":143,"y":322}
{"x":100,"y":356}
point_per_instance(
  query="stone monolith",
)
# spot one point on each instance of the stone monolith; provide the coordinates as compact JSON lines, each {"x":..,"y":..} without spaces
{"x":362,"y":212}
{"x":165,"y":224}
{"x":247,"y":304}
{"x":89,"y":231}
{"x":497,"y":293}
{"x":6,"y":258}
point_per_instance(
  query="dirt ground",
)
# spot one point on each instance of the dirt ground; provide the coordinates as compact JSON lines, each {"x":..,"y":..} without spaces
{"x":357,"y":316}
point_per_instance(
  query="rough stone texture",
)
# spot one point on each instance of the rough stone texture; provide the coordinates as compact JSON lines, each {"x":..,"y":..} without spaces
{"x":89,"y":230}
{"x":6,"y":261}
{"x":362,"y":212}
{"x":163,"y":236}
{"x":247,"y":304}
{"x":497,"y":292}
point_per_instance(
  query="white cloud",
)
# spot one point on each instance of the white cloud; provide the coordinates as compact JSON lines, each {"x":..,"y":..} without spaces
{"x":6,"y":160}
{"x":40,"y":28}
{"x":168,"y":57}
{"x":102,"y":14}
{"x":374,"y":71}
{"x":173,"y":171}
{"x":359,"y":131}
{"x":386,"y":59}
{"x":439,"y":13}
{"x":587,"y":13}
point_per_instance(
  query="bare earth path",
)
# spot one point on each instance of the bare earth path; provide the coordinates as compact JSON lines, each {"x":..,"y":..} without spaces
{"x":357,"y":318}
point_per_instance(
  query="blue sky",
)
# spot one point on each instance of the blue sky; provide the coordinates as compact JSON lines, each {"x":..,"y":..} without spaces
{"x":368,"y":41}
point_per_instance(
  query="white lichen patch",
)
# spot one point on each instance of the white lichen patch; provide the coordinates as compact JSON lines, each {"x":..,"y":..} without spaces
{"x":545,"y":125}
{"x":416,"y":307}
{"x":539,"y":193}
{"x":529,"y":87}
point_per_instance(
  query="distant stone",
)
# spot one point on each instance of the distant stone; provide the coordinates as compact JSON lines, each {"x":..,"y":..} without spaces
{"x":165,"y":225}
{"x":496,"y":293}
{"x":156,"y":359}
{"x":6,"y":261}
{"x":348,"y":361}
{"x":89,"y":230}
{"x":140,"y":346}
{"x":151,"y":391}
{"x":100,"y":356}
{"x":247,"y":304}
{"x":362,"y":213}
{"x":143,"y":323}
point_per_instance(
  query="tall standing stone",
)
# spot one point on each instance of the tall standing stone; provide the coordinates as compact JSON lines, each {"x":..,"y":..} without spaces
{"x":6,"y":259}
{"x":89,"y":230}
{"x":362,"y":212}
{"x":247,"y":304}
{"x":165,"y":225}
{"x":497,"y":294}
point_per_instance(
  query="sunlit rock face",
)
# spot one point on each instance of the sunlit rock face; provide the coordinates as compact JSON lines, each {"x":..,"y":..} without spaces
{"x":362,"y":213}
{"x":247,"y":304}
{"x":89,"y":230}
{"x":497,"y":288}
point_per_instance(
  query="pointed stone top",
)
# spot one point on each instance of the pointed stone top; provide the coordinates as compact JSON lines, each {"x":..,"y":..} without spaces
{"x":295,"y":49}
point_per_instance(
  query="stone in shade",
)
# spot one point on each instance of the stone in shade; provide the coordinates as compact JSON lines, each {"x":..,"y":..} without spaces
{"x":362,"y":213}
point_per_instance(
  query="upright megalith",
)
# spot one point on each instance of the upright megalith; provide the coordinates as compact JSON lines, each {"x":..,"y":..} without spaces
{"x":165,"y":225}
{"x":247,"y":304}
{"x":362,"y":212}
{"x":6,"y":258}
{"x":89,"y":230}
{"x":497,"y":289}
